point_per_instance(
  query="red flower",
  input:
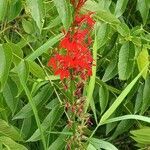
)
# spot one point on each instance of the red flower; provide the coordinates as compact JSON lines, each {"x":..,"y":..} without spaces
{"x":74,"y":58}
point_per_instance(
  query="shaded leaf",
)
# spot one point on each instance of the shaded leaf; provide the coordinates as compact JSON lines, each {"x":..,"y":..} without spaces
{"x":103,"y":98}
{"x":60,"y":142}
{"x":146,"y":97}
{"x":42,"y":96}
{"x":139,"y":99}
{"x":49,"y":122}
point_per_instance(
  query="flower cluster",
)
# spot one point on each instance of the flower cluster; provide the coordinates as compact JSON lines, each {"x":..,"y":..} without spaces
{"x":74,"y":58}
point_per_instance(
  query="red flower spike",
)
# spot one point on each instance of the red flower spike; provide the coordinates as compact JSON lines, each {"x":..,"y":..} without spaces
{"x":74,"y":58}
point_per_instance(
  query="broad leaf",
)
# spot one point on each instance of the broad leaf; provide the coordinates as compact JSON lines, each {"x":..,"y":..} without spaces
{"x":142,"y":6}
{"x":10,"y":144}
{"x":126,"y":59}
{"x":64,"y":11}
{"x":36,"y":9}
{"x":97,"y":143}
{"x":9,"y":131}
{"x":3,"y":9}
{"x":120,"y":7}
{"x":6,"y":59}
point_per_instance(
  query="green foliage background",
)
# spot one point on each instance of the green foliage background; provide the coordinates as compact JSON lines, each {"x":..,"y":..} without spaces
{"x":31,"y":114}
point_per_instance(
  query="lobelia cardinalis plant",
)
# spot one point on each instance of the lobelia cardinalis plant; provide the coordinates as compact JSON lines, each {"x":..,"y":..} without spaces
{"x":73,"y":63}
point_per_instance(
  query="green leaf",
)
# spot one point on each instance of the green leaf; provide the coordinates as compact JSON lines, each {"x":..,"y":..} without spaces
{"x":103,"y":98}
{"x":16,"y":51}
{"x":14,"y":9}
{"x":94,"y":6}
{"x":9,"y":131}
{"x":10,"y":144}
{"x":111,"y":126}
{"x":3,"y":9}
{"x":97,"y":143}
{"x":6,"y":59}
{"x":28,"y":26}
{"x":120,"y":7}
{"x":141,"y":136}
{"x":139,"y":99}
{"x":36,"y":10}
{"x":39,"y":100}
{"x":36,"y":70}
{"x":126,"y":59}
{"x":122,"y":127}
{"x":111,"y":70}
{"x":9,"y":93}
{"x":142,"y":6}
{"x":144,"y":132}
{"x":60,"y":142}
{"x":55,"y":22}
{"x":120,"y":98}
{"x":52,"y":103}
{"x":15,"y":78}
{"x":146,"y":97}
{"x":23,"y":70}
{"x":142,"y":140}
{"x":49,"y":122}
{"x":103,"y":34}
{"x":107,"y":17}
{"x":110,"y":88}
{"x":143,"y":60}
{"x":64,"y":11}
{"x":93,"y":108}
{"x":52,"y":77}
{"x":44,"y":48}
{"x":127,"y":117}
{"x":91,"y":147}
{"x":124,"y":30}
